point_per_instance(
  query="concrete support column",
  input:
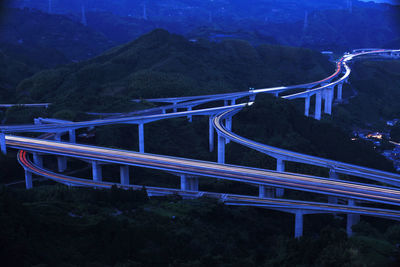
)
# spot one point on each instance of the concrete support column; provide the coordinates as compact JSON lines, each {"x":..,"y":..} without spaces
{"x":96,"y":171}
{"x":211,"y":133}
{"x":318,"y":100}
{"x":184,"y":182}
{"x":307,"y":106}
{"x":298,"y":227}
{"x":62,"y":163}
{"x":226,"y":103}
{"x":175,"y":108}
{"x":280,"y":167}
{"x":221,"y":149}
{"x":57,"y":137}
{"x":72,"y":136}
{"x":28,"y":179}
{"x":266,"y":192}
{"x":352,"y":219}
{"x":3,"y":143}
{"x":326,"y":100}
{"x":333,"y":175}
{"x":190,"y":116}
{"x":194,"y":183}
{"x":233,"y":102}
{"x":331,"y":96}
{"x":141,"y":137}
{"x":228,"y":125}
{"x":189,"y":183}
{"x":340,"y":92}
{"x":124,"y":174}
{"x":37,"y":159}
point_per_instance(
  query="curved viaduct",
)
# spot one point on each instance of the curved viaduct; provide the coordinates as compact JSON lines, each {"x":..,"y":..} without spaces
{"x":271,"y":183}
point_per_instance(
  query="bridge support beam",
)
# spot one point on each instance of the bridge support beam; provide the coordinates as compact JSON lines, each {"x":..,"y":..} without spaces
{"x":141,"y":137}
{"x":327,"y":102}
{"x":307,"y":106}
{"x":280,"y":167}
{"x":124,"y":173}
{"x":62,"y":163}
{"x":211,"y":133}
{"x":298,"y":225}
{"x":28,"y":179}
{"x":57,"y":137}
{"x":233,"y":102}
{"x":96,"y":171}
{"x":221,"y":149}
{"x":228,"y":125}
{"x":318,"y":100}
{"x":72,"y":136}
{"x":226,"y":103}
{"x":189,"y":183}
{"x":3,"y":143}
{"x":190,"y":116}
{"x":333,"y":175}
{"x":38,"y":159}
{"x":266,"y":192}
{"x":340,"y":92}
{"x":352,"y":219}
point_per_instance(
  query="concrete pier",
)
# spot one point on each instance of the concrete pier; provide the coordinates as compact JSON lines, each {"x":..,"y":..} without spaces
{"x":352,"y":219}
{"x":190,"y":117}
{"x":38,"y":159}
{"x":3,"y":143}
{"x":62,"y":163}
{"x":221,"y":149}
{"x":307,"y":106}
{"x":189,"y":183}
{"x":72,"y":136}
{"x":233,"y":102}
{"x":124,"y":174}
{"x":211,"y":133}
{"x":57,"y":137}
{"x":266,"y":192}
{"x":141,"y":137}
{"x":228,"y":125}
{"x":298,"y":227}
{"x":280,"y":167}
{"x":340,"y":91}
{"x":333,"y":175}
{"x":28,"y":179}
{"x":318,"y":100}
{"x":96,"y":171}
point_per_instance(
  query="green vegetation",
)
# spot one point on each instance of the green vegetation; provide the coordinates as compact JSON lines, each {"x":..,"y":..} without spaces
{"x":161,"y":64}
{"x":377,"y":87}
{"x":56,"y":225}
{"x":59,"y":226}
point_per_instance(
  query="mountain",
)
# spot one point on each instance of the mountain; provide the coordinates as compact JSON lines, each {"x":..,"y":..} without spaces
{"x":50,"y":39}
{"x":161,"y":64}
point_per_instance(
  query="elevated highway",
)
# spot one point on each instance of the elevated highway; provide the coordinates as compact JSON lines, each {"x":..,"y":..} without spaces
{"x":190,"y":170}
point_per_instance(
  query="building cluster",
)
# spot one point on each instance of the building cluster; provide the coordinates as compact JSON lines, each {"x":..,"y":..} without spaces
{"x":377,"y":138}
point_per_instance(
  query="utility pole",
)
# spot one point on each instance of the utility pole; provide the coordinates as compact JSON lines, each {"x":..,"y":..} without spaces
{"x":350,"y":6}
{"x":305,"y":21}
{"x":84,"y":20}
{"x":144,"y":11}
{"x":50,"y":6}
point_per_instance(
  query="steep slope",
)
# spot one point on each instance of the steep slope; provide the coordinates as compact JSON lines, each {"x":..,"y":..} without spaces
{"x":47,"y":35}
{"x":161,"y":64}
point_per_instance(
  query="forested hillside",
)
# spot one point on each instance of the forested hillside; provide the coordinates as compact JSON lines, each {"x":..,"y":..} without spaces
{"x":161,"y":64}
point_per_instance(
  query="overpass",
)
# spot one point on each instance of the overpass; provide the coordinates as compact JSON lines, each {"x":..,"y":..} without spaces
{"x":190,"y":170}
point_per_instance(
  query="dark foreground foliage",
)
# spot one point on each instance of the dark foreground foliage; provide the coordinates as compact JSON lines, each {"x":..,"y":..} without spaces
{"x":59,"y":226}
